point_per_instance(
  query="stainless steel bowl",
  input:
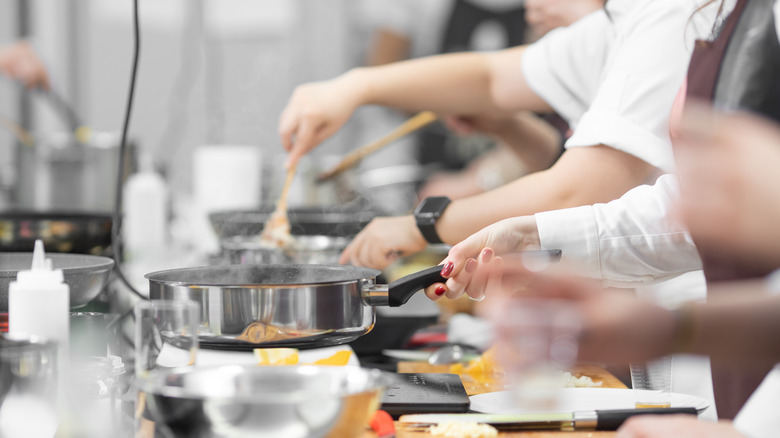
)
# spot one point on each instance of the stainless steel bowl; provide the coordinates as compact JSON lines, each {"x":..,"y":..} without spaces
{"x":305,"y":250}
{"x":86,"y":275}
{"x":249,"y":401}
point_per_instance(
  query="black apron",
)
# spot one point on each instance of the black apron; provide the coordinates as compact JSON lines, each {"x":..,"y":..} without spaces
{"x":740,"y":69}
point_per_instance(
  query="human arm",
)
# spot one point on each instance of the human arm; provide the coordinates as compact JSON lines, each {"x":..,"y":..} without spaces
{"x":19,"y":61}
{"x":462,"y":83}
{"x":387,"y":46}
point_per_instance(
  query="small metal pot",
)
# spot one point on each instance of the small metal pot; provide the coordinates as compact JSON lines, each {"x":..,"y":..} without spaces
{"x":243,"y":401}
{"x":303,"y":306}
{"x":305,"y":250}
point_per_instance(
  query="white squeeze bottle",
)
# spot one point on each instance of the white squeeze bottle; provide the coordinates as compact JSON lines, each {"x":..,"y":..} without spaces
{"x":145,"y":206}
{"x":39,"y":305}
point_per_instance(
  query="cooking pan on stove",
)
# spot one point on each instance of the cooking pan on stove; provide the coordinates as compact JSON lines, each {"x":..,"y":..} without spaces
{"x":302,"y":306}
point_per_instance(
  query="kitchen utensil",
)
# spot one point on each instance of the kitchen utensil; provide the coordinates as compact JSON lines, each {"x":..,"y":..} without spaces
{"x":447,"y":354}
{"x":276,"y":231}
{"x":579,"y":399}
{"x":60,"y":231}
{"x":420,"y":120}
{"x":580,"y":420}
{"x":17,"y":130}
{"x":248,"y":306}
{"x":86,"y":275}
{"x":237,"y":401}
{"x":165,"y":325}
{"x":304,"y":250}
{"x":28,"y":386}
{"x":338,"y":220}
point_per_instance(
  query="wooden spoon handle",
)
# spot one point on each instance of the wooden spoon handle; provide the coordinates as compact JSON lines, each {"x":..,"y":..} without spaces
{"x":421,"y":120}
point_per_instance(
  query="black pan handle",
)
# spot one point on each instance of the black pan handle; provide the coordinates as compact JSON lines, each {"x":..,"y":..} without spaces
{"x":402,"y":289}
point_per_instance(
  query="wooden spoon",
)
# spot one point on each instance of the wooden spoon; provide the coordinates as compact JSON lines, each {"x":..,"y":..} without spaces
{"x":276,"y":231}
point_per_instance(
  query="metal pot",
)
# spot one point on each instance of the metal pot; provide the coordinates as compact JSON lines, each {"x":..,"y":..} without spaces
{"x":61,"y":173}
{"x":243,"y":401}
{"x":86,"y":275}
{"x":305,"y":250}
{"x":304,"y":306}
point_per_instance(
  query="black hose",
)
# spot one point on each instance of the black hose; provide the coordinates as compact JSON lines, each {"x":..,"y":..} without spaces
{"x":116,"y":225}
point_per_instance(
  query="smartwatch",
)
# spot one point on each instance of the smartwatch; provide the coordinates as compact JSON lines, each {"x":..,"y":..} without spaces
{"x":427,"y":213}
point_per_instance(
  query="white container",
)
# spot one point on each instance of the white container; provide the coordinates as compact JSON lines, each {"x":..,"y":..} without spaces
{"x":145,"y":227}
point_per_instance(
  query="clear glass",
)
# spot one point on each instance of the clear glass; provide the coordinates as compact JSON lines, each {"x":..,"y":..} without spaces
{"x":166,"y":334}
{"x":537,"y":342}
{"x":655,"y":376}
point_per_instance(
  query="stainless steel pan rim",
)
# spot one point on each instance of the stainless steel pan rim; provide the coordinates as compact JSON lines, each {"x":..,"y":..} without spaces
{"x":225,"y":382}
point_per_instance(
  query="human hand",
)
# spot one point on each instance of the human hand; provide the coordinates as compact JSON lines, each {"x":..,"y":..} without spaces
{"x":382,"y":241}
{"x":19,"y":61}
{"x":730,"y":185}
{"x":679,"y":426}
{"x":546,"y":15}
{"x":315,"y":112}
{"x":616,"y":326}
{"x":470,"y":263}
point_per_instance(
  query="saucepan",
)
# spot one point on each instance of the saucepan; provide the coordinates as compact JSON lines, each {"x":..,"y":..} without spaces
{"x":302,"y":306}
{"x":242,"y":401}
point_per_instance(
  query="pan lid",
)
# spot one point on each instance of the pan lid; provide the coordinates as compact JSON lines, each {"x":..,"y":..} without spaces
{"x":262,"y":275}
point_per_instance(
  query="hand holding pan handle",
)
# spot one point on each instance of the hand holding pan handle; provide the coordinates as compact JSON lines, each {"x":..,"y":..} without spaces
{"x":401,"y":290}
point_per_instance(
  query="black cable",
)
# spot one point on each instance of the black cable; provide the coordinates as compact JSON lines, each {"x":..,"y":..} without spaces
{"x":116,"y":224}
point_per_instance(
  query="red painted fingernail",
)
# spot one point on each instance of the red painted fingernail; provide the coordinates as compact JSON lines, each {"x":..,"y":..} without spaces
{"x":487,"y":254}
{"x":447,"y":269}
{"x":440,"y":291}
{"x":471,"y":265}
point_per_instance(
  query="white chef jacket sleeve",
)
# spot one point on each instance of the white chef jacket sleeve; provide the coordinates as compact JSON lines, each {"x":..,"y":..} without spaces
{"x":637,"y":81}
{"x":627,"y":242}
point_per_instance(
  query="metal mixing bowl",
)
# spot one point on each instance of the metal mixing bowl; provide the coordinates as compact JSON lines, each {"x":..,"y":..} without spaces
{"x":86,"y":275}
{"x":248,"y":401}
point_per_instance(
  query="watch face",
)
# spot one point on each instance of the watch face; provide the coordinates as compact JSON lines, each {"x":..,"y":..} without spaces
{"x":433,"y":206}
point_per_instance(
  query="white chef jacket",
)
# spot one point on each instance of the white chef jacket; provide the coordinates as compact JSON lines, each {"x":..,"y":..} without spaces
{"x":626,"y":242}
{"x":614,"y":74}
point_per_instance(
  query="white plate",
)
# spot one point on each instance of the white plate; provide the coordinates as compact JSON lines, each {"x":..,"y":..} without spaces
{"x":582,"y":399}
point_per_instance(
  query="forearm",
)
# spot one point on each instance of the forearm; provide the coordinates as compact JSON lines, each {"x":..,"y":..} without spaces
{"x":459,"y":83}
{"x":535,"y":142}
{"x":739,"y":325}
{"x":581,"y":177}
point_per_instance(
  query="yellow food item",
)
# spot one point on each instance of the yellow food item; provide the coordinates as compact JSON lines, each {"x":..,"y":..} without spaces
{"x":341,"y":358}
{"x":485,"y":364}
{"x":463,"y":429}
{"x":276,"y":356}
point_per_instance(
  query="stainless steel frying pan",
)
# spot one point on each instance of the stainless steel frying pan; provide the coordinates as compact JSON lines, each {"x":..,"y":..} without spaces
{"x":303,"y":306}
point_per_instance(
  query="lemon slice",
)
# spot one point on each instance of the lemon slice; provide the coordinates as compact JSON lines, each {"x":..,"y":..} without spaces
{"x":341,"y":358}
{"x":276,"y":356}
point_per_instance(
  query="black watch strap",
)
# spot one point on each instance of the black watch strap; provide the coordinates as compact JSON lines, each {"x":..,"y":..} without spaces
{"x":427,"y":213}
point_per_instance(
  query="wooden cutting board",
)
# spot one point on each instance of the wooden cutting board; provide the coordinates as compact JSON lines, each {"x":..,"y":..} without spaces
{"x":489,"y":384}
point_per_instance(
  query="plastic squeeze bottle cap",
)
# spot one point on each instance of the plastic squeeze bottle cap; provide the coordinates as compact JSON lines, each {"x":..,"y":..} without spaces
{"x":41,"y":272}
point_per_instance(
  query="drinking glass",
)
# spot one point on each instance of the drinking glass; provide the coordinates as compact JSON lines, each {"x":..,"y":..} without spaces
{"x":655,"y":376}
{"x":537,"y":341}
{"x":166,"y":334}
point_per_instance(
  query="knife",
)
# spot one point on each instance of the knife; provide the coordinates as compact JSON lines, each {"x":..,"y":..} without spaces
{"x":579,"y":420}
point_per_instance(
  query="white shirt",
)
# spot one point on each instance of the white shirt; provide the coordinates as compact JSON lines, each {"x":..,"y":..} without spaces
{"x":628,"y":241}
{"x":614,"y":76}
